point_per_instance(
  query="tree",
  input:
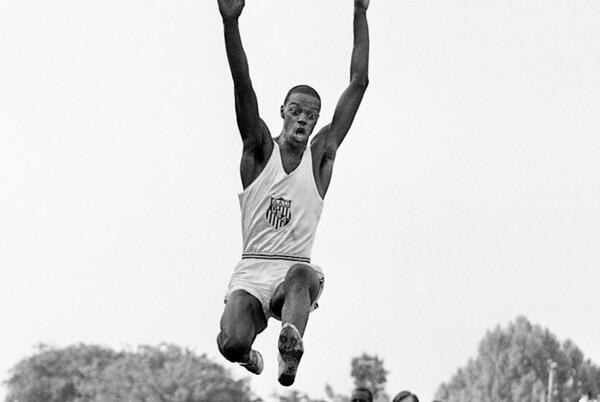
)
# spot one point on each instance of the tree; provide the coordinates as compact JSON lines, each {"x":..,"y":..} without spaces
{"x":513,"y":366}
{"x":85,"y":373}
{"x":333,"y":396}
{"x":368,"y":372}
{"x":58,"y":375}
{"x":296,"y":396}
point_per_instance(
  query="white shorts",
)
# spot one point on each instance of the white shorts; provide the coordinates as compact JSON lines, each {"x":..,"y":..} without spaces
{"x":261,"y":277}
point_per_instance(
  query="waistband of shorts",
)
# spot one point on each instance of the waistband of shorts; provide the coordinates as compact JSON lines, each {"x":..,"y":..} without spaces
{"x":285,"y":257}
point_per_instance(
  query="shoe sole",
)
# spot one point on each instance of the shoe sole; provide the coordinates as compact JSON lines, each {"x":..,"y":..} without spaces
{"x":290,"y":351}
{"x":258,"y":367}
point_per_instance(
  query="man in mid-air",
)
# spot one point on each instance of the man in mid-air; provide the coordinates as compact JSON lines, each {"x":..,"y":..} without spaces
{"x":284,"y":181}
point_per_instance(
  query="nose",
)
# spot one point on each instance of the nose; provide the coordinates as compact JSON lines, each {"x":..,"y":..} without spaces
{"x":302,"y":117}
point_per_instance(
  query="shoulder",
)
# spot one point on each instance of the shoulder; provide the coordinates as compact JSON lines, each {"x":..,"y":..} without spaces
{"x":254,"y":160}
{"x":321,"y":145}
{"x":259,"y":145}
{"x":323,"y":155}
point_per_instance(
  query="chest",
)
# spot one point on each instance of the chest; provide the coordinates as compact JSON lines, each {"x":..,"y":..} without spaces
{"x":290,"y":162}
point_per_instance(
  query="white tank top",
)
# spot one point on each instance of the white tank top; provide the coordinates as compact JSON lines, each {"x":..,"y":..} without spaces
{"x":280,"y":211}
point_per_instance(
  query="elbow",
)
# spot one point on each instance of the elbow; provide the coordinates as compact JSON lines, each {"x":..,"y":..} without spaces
{"x":360,"y":81}
{"x":242,"y":86}
{"x":365,"y":83}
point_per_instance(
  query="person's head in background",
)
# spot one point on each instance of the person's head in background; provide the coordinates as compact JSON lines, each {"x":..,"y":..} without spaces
{"x":405,"y":396}
{"x":361,"y":394}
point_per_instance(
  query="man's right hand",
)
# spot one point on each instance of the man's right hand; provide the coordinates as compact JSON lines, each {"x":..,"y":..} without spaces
{"x":231,"y":9}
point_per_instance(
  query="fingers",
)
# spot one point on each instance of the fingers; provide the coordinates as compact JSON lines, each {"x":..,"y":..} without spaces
{"x":364,"y":4}
{"x":231,"y":8}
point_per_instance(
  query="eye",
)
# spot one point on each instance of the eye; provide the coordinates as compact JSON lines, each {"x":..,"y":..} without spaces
{"x":311,"y":116}
{"x":294,"y":111}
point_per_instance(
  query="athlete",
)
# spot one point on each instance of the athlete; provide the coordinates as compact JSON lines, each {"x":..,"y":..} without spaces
{"x":284,"y":181}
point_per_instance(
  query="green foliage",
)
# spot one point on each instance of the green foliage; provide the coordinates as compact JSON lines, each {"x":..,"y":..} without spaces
{"x":368,"y":372}
{"x":513,"y":366}
{"x":86,"y":373}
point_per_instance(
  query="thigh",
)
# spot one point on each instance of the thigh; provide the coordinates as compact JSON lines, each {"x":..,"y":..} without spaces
{"x":243,"y":317}
{"x":297,"y":275}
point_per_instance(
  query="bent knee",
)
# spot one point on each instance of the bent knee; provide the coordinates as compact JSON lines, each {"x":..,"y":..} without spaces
{"x":234,"y":349}
{"x":301,"y":272}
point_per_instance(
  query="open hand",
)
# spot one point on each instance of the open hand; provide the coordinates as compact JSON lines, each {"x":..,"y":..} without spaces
{"x":362,"y":3}
{"x":231,"y":9}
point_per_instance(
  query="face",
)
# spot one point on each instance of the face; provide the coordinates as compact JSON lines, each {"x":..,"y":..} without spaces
{"x":360,"y":396}
{"x":300,"y":115}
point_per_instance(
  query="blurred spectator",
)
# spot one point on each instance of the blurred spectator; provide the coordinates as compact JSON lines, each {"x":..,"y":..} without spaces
{"x":361,"y":394}
{"x":405,"y":396}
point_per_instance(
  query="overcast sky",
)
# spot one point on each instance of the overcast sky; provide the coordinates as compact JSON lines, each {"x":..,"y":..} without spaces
{"x":466,"y":193}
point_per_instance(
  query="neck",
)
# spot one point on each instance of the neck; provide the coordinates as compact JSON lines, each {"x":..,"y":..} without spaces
{"x":290,"y":146}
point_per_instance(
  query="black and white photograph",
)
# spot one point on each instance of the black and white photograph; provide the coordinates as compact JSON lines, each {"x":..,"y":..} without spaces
{"x":300,"y":201}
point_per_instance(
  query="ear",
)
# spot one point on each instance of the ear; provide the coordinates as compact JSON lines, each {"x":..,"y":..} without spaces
{"x":281,"y":111}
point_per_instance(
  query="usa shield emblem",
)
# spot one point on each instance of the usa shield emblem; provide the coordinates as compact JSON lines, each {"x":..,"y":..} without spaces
{"x":279,"y":212}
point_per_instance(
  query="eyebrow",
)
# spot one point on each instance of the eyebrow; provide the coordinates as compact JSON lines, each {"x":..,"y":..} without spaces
{"x":304,"y":107}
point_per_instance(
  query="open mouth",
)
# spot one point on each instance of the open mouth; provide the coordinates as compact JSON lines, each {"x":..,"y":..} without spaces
{"x":300,"y":130}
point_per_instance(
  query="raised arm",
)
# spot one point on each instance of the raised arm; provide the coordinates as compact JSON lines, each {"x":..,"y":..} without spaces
{"x":326,"y":143}
{"x":349,"y":102}
{"x":254,"y":132}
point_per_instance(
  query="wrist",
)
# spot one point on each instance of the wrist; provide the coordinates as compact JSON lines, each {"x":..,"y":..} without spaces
{"x":230,"y":20}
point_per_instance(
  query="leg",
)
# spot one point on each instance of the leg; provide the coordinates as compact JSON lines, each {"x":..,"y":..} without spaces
{"x":293,"y":298}
{"x":241,"y":321}
{"x":292,"y":301}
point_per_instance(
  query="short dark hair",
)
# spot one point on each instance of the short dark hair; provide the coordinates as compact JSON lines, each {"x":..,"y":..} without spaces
{"x":405,"y":394}
{"x":303,"y":89}
{"x":365,"y":390}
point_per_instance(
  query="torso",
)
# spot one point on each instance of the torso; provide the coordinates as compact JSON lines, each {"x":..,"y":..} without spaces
{"x":281,"y":208}
{"x":251,"y":166}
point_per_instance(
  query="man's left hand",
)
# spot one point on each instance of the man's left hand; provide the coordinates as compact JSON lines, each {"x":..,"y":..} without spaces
{"x":362,"y":3}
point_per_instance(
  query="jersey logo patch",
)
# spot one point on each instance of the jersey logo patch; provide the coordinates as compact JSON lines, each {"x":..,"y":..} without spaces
{"x":279,"y":213}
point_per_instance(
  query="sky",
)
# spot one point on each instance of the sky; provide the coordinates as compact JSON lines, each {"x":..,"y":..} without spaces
{"x":465,"y":194}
